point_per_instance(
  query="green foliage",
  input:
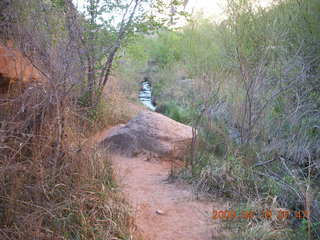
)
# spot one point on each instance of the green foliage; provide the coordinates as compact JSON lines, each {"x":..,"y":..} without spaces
{"x":303,"y":230}
{"x":58,"y":3}
{"x":164,"y":50}
{"x":137,"y":51}
{"x":85,"y":99}
{"x":175,"y":112}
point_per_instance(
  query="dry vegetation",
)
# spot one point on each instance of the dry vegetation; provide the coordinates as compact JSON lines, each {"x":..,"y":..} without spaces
{"x":53,"y":183}
{"x":120,"y":107}
{"x":47,"y":194}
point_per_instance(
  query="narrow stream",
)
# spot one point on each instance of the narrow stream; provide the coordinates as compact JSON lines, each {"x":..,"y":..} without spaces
{"x":145,"y":95}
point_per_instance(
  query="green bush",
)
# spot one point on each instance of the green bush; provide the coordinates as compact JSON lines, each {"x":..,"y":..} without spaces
{"x":175,"y":112}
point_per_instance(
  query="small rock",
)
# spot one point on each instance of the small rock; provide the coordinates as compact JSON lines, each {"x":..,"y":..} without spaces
{"x":159,"y":212}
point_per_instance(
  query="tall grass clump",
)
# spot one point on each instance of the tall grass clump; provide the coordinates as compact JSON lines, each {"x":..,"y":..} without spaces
{"x":53,"y":183}
{"x":47,"y":194}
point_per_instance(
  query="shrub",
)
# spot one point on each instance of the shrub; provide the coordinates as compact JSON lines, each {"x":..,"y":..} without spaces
{"x":175,"y":112}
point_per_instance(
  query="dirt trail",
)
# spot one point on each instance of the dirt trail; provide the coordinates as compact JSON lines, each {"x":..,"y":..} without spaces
{"x":163,"y":211}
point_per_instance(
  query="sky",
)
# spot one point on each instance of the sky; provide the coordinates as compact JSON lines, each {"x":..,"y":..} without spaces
{"x":216,"y":8}
{"x":209,"y":8}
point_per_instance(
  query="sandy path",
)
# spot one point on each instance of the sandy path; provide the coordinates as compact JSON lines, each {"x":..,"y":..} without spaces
{"x":144,"y":184}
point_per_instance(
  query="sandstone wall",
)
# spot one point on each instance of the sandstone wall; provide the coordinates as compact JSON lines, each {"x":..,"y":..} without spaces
{"x":15,"y":67}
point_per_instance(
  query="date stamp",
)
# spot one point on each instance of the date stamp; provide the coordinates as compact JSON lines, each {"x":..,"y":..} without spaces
{"x":266,"y":214}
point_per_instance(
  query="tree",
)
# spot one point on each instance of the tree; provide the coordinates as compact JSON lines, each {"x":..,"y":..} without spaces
{"x":103,"y":37}
{"x":105,"y":33}
{"x":125,"y":24}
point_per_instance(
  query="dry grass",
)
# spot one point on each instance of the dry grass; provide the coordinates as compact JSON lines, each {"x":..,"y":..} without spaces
{"x":117,"y":107}
{"x":51,"y":189}
{"x":260,"y":226}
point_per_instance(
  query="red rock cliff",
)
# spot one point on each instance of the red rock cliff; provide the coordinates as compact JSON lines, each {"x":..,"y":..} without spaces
{"x":15,"y":67}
